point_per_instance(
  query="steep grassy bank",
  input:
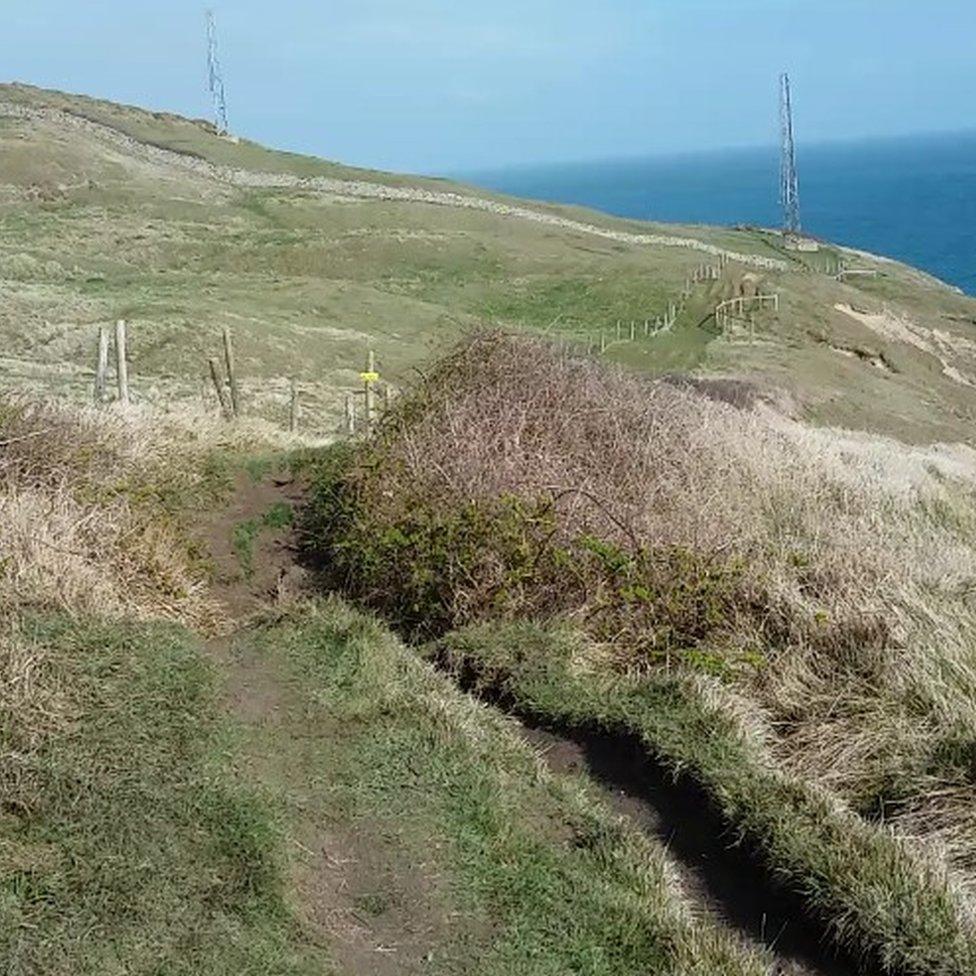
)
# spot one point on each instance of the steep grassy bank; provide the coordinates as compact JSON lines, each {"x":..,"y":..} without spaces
{"x":877,"y":896}
{"x":811,"y":581}
{"x":427,"y":825}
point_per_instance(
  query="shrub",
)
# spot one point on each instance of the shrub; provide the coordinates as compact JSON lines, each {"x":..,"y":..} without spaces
{"x":824,"y":574}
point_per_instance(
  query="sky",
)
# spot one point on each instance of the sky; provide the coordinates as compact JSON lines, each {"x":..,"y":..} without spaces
{"x":454,"y":86}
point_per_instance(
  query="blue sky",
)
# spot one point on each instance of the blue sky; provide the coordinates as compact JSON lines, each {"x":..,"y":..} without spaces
{"x":454,"y":85}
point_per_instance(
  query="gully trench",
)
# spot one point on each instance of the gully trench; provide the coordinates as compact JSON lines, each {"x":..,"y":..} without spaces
{"x":729,"y":879}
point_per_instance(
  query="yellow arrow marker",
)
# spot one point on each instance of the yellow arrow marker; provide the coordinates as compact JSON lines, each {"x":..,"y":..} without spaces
{"x":369,"y":377}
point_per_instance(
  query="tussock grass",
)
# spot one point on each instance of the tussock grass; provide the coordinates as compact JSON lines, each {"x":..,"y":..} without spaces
{"x":822,"y":576}
{"x":92,"y":507}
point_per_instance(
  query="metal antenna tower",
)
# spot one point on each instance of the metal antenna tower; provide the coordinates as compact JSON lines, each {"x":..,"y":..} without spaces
{"x":215,"y":76}
{"x":789,"y":185}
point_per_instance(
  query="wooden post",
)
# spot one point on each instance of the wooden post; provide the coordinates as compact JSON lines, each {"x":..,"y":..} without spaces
{"x":218,"y":382}
{"x":633,"y":331}
{"x":369,"y":390}
{"x":618,"y":330}
{"x":387,"y":397}
{"x":295,"y":412}
{"x":121,"y":363}
{"x":350,"y":415}
{"x":603,"y":342}
{"x":647,"y":326}
{"x":235,"y":400}
{"x":101,"y":367}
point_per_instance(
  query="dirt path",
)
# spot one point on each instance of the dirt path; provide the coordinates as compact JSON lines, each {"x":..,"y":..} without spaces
{"x":255,"y":565}
{"x":334,"y":870}
{"x":337,"y":875}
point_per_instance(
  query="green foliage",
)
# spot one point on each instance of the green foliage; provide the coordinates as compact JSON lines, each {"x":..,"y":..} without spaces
{"x":431,"y":567}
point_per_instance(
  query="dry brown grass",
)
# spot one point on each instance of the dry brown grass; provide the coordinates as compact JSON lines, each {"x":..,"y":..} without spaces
{"x":859,"y":550}
{"x":90,"y":508}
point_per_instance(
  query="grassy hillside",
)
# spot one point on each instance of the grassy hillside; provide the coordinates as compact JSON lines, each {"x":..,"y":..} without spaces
{"x":189,"y":789}
{"x":108,"y":212}
{"x":644,"y":600}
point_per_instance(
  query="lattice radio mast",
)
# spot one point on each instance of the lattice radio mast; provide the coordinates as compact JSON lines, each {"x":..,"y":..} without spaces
{"x":789,"y":185}
{"x":215,"y":76}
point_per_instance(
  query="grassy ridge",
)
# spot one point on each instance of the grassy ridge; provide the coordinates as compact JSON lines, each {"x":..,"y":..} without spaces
{"x":878,"y":897}
{"x":532,"y":873}
{"x":715,"y":559}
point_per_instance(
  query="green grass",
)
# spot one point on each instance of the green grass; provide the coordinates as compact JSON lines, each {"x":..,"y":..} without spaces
{"x":879,"y":899}
{"x":307,"y":282}
{"x":509,"y":869}
{"x":134,"y":850}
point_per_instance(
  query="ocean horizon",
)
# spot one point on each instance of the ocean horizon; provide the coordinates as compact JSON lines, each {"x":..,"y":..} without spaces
{"x":911,"y":198}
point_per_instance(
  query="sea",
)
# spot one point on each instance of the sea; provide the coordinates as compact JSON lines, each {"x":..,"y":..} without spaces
{"x":910,"y":198}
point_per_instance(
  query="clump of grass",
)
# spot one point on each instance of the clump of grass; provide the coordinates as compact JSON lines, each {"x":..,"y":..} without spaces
{"x":94,"y":509}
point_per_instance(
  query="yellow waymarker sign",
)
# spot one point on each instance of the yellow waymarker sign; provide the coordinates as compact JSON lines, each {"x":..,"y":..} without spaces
{"x":369,"y":377}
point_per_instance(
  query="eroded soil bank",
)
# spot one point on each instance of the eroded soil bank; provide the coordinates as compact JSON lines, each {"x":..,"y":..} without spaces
{"x":726,"y":878}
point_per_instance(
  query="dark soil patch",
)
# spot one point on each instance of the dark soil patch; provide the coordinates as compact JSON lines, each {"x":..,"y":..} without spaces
{"x":726,"y":877}
{"x":267,"y":573}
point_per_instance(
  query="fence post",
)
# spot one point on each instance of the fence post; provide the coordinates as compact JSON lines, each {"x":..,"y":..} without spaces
{"x":101,"y":368}
{"x":235,"y":402}
{"x":350,"y":415}
{"x":633,"y":331}
{"x":218,"y":382}
{"x":370,"y":393}
{"x":121,"y":363}
{"x":603,"y":342}
{"x":295,"y":412}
